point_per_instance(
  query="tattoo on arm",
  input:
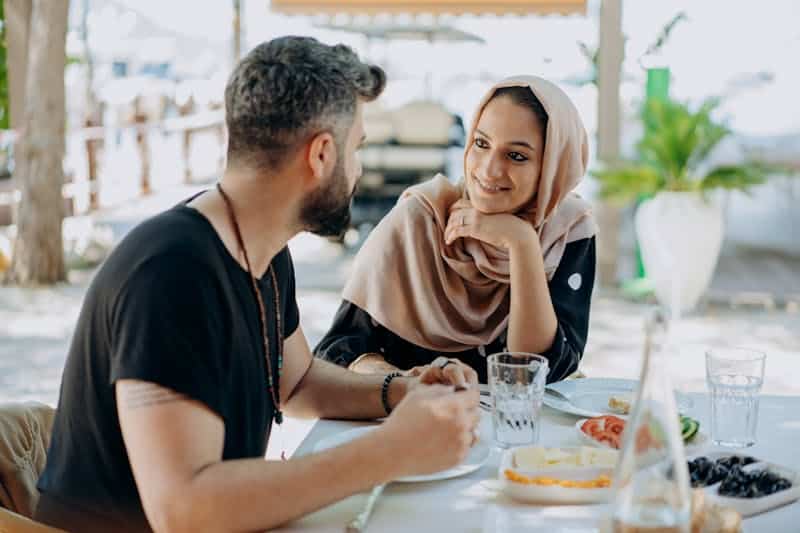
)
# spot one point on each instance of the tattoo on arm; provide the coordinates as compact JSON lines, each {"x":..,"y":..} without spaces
{"x":137,"y":395}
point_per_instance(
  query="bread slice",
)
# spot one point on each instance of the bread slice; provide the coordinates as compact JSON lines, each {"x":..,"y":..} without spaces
{"x":706,"y":518}
{"x":620,"y":403}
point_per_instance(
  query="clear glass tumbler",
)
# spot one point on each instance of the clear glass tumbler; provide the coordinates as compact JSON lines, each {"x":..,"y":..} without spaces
{"x":516,"y":382}
{"x":734,"y":377}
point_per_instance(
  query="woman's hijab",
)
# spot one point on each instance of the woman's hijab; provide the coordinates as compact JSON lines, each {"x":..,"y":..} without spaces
{"x":452,"y":298}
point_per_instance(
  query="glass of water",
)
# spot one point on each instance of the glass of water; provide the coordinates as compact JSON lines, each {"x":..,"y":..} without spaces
{"x":516,"y":382}
{"x":734,"y":377}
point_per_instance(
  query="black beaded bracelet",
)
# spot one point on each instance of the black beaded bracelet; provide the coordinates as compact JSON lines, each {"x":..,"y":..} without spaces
{"x":385,"y":391}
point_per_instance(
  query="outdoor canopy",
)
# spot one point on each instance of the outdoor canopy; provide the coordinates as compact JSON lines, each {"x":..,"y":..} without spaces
{"x":453,"y":7}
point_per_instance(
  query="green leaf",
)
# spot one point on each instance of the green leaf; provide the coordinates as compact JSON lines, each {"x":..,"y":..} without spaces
{"x":735,"y":177}
{"x":626,"y":183}
{"x":676,"y":142}
{"x":666,"y":31}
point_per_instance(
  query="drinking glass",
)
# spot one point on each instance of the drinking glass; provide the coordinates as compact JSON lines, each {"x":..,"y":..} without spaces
{"x":516,"y":382}
{"x":734,"y":377}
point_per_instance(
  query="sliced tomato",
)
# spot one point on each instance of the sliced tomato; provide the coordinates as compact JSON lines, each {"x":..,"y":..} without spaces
{"x":615,"y":425}
{"x":608,"y":438}
{"x":592,"y":426}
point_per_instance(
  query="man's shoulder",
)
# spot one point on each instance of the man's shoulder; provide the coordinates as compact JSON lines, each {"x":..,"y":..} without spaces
{"x":173,"y":226}
{"x":166,"y":243}
{"x":180,"y":229}
{"x":283,"y":258}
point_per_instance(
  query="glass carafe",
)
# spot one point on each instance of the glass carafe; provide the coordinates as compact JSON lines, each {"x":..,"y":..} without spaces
{"x":652,"y":492}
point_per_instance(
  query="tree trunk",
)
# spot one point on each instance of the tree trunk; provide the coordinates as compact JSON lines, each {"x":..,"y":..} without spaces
{"x":38,"y":256}
{"x":17,"y":27}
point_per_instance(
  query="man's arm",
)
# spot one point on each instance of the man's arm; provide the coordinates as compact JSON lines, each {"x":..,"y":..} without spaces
{"x":175,"y":445}
{"x":308,"y":385}
{"x":372,"y":363}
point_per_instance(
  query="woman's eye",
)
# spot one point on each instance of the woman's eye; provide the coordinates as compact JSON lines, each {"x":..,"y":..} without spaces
{"x":481,"y":143}
{"x":516,"y":156}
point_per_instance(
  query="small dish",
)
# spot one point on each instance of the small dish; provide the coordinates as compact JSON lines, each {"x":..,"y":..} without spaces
{"x":753,"y":506}
{"x":694,"y":446}
{"x":553,"y":494}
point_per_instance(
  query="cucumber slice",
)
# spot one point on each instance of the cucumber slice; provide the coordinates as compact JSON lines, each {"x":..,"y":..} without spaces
{"x":689,"y":428}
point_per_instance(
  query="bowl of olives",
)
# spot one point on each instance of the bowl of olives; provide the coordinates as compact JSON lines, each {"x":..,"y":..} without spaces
{"x":747,"y":484}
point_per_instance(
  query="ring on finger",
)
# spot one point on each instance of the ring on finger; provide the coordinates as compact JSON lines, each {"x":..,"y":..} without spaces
{"x":447,"y":362}
{"x":476,"y":436}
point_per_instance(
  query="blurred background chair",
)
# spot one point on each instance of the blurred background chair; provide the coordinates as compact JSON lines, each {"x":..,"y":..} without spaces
{"x":24,"y":439}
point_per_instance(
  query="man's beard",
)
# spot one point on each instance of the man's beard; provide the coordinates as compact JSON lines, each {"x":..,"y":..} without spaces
{"x":326,"y":211}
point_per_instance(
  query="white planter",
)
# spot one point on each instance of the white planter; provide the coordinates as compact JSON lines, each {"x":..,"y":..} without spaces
{"x":680,"y":236}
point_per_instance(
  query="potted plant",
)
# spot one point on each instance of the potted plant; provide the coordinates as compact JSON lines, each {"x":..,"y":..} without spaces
{"x":678,"y":225}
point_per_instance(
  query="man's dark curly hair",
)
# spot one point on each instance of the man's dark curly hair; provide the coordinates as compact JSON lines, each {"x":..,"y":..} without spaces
{"x":289,"y":89}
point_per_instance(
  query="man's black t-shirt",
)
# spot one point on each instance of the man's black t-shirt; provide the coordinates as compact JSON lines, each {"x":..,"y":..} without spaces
{"x":169,"y":306}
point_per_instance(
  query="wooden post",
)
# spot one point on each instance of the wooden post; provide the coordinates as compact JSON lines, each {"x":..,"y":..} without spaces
{"x":140,"y":123}
{"x":611,"y":52}
{"x":91,"y":160}
{"x":186,"y":146}
{"x":186,"y":152}
{"x":237,"y":32}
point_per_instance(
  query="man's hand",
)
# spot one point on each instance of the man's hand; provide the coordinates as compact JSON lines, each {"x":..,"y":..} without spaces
{"x":446,"y":372}
{"x":432,"y":429}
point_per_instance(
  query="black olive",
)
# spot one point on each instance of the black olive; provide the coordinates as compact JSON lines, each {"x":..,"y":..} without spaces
{"x":717,"y":474}
{"x":755,"y":484}
{"x":736,"y":472}
{"x":764,"y":481}
{"x":701,"y":463}
{"x":725,"y":461}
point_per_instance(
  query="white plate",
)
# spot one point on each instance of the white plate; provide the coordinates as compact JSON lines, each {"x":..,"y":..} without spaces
{"x":753,"y":506}
{"x":477,"y":456}
{"x":694,"y":446}
{"x":588,"y":397}
{"x":553,"y":494}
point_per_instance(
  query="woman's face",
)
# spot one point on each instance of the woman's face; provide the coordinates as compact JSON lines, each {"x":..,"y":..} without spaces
{"x":505,"y":157}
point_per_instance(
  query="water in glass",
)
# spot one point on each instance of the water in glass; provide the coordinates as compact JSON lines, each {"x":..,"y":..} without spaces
{"x":734,"y":378}
{"x":734,"y":409}
{"x":516,"y":381}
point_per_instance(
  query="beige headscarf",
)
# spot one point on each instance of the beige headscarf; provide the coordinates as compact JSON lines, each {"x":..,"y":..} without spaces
{"x":453,"y":298}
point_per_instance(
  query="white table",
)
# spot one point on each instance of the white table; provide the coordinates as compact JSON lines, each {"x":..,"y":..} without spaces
{"x":470,"y":503}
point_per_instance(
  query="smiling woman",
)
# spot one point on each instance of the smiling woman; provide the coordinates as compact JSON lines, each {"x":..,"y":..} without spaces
{"x":503,"y":260}
{"x":503,"y":163}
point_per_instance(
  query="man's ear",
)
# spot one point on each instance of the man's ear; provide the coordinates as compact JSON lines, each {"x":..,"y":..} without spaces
{"x":321,"y":156}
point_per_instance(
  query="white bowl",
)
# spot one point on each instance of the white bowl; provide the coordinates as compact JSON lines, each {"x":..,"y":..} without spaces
{"x":553,"y":494}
